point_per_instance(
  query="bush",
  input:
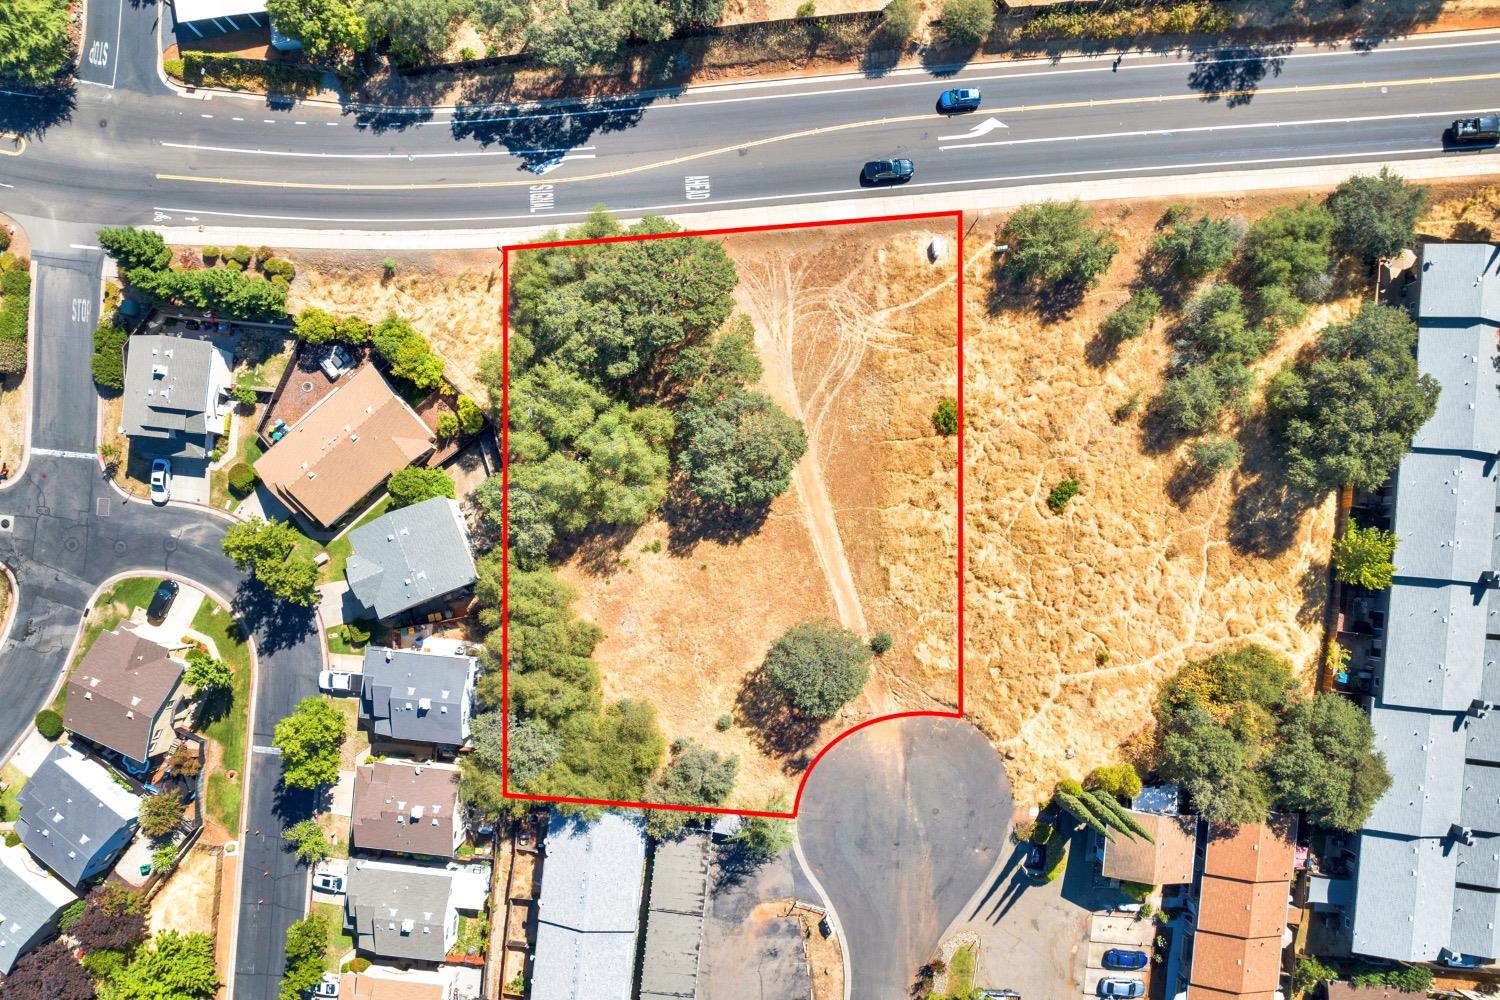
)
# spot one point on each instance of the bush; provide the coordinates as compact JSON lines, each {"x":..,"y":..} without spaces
{"x":806,"y":9}
{"x":1041,"y":832}
{"x":968,"y":22}
{"x":1214,"y":454}
{"x":897,"y":22}
{"x":211,"y":255}
{"x":241,"y":478}
{"x":1120,"y":780}
{"x":241,"y":255}
{"x":1133,"y":317}
{"x":12,"y":357}
{"x":314,"y":326}
{"x":945,"y":417}
{"x":881,"y":643}
{"x":470,"y":416}
{"x":1057,"y":859}
{"x":164,"y":857}
{"x":160,"y":813}
{"x":413,"y":485}
{"x":1064,"y":491}
{"x":724,"y":723}
{"x":1191,"y":402}
{"x":1055,"y":244}
{"x":245,"y":394}
{"x":1277,"y":308}
{"x":49,"y":724}
{"x":447,"y":425}
{"x":1194,"y":248}
{"x":12,"y":838}
{"x":1289,"y":245}
{"x":278,"y":267}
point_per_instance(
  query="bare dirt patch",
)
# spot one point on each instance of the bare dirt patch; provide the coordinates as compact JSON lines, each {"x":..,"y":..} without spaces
{"x":190,"y":899}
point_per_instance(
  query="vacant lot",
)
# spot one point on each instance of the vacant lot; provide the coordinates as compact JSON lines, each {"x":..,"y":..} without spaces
{"x":189,"y":901}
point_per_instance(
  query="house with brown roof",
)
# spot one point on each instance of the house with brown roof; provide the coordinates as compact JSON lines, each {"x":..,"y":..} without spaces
{"x":407,"y":809}
{"x":413,"y":984}
{"x":1165,"y":859}
{"x":127,"y":695}
{"x":344,"y":448}
{"x":1243,"y":911}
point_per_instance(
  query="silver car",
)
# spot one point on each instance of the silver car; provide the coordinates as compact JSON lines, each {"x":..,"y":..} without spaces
{"x":1122,"y":989}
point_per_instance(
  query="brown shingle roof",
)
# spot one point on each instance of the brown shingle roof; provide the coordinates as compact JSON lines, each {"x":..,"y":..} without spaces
{"x":1254,"y":852}
{"x":1238,"y":966}
{"x":1169,"y":861}
{"x":402,"y":808}
{"x":1242,"y":909}
{"x":1342,"y":989}
{"x":118,"y":689}
{"x":355,"y":986}
{"x":344,"y":446}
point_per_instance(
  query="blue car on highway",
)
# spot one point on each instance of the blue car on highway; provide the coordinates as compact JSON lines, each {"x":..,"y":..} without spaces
{"x":1121,"y":958}
{"x":958,"y":100}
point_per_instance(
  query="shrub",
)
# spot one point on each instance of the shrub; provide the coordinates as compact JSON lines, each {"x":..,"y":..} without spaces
{"x":353,"y":330}
{"x":314,"y":326}
{"x":49,"y":724}
{"x":108,"y":362}
{"x":1041,"y":832}
{"x":160,"y":813}
{"x":240,"y":255}
{"x":211,"y":255}
{"x":12,"y":838}
{"x":241,"y":477}
{"x":12,"y":357}
{"x":968,"y":22}
{"x":470,"y":416}
{"x":1057,"y":859}
{"x":1191,"y":402}
{"x":897,"y":22}
{"x":164,"y":857}
{"x":4,"y":239}
{"x":1289,"y":245}
{"x":1120,"y":780}
{"x":724,"y":723}
{"x":1277,"y":308}
{"x":245,"y":394}
{"x":413,"y":485}
{"x":1064,"y":491}
{"x":388,"y":266}
{"x":806,"y":9}
{"x":1214,"y":454}
{"x":945,"y":417}
{"x":1194,"y":248}
{"x":278,"y":267}
{"x":1055,"y":244}
{"x":1133,"y":317}
{"x":881,"y":643}
{"x":447,"y":425}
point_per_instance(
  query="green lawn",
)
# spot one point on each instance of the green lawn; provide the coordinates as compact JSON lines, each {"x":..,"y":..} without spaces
{"x":961,"y":972}
{"x":113,"y":606}
{"x":14,"y":779}
{"x":230,"y":729}
{"x":339,"y":943}
{"x":250,"y":451}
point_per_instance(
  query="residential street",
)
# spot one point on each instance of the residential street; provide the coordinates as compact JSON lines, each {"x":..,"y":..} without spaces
{"x":900,"y":824}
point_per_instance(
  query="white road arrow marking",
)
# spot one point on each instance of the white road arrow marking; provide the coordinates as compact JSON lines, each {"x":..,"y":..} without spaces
{"x":983,"y":128}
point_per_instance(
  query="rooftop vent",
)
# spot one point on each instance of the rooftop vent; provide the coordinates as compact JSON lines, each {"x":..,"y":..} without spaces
{"x":408,"y":925}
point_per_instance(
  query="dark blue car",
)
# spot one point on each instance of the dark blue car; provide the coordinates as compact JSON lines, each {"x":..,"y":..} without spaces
{"x":1119,"y":958}
{"x":958,"y":100}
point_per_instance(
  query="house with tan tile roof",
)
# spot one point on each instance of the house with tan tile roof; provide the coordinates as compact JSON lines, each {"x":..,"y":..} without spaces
{"x":344,"y":448}
{"x":1243,"y":911}
{"x":1254,"y":852}
{"x":1165,"y":859}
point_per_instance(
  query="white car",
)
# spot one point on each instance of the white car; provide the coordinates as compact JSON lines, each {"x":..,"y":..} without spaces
{"x":336,"y":681}
{"x":161,"y":480}
{"x":328,"y":986}
{"x":329,"y":882}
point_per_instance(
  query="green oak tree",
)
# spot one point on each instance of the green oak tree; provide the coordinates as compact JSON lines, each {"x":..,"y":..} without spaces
{"x":309,"y":740}
{"x":819,"y":667}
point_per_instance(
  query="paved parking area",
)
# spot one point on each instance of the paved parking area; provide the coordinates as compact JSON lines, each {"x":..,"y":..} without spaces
{"x":1106,"y":931}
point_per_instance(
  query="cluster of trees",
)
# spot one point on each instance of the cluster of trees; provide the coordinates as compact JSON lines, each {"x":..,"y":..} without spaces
{"x":568,"y":34}
{"x":406,"y":353}
{"x":34,"y":48}
{"x":1238,"y":733}
{"x":118,"y":962}
{"x":146,"y":262}
{"x":623,"y":358}
{"x":267,"y":550}
{"x":695,"y":776}
{"x":15,"y":305}
{"x":1098,"y":809}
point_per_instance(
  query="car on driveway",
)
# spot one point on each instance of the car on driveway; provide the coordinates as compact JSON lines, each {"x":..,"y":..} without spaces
{"x":887,"y":172}
{"x":328,"y":986}
{"x":1124,"y":958}
{"x":337,"y":682}
{"x":329,"y":882}
{"x":161,"y":480}
{"x":1122,"y":989}
{"x":958,"y":100}
{"x":1036,"y":857}
{"x":161,"y":602}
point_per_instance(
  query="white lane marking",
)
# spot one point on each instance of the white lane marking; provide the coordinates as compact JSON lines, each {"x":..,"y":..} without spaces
{"x":299,"y":123}
{"x":205,"y":115}
{"x":273,"y":751}
{"x":268,"y":121}
{"x":85,"y":246}
{"x":983,"y":128}
{"x":643,"y":102}
{"x":1354,"y":158}
{"x":237,"y":119}
{"x":9,"y":186}
{"x":1211,"y":128}
{"x":569,"y":153}
{"x":55,"y":453}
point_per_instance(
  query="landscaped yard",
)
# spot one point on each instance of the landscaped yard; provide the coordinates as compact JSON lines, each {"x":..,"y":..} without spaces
{"x":13,"y":779}
{"x":961,"y":972}
{"x":228,"y":730}
{"x":339,"y":943}
{"x":250,"y":450}
{"x":340,"y":549}
{"x":113,"y":606}
{"x":357,"y":741}
{"x":471,"y":935}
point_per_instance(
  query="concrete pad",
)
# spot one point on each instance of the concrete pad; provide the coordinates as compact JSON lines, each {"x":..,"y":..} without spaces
{"x":178,"y":622}
{"x":1120,"y":930}
{"x":33,"y":750}
{"x":136,"y":855}
{"x":332,"y":602}
{"x":190,"y":480}
{"x":343,"y":794}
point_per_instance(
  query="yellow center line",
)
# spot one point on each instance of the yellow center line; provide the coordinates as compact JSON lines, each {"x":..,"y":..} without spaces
{"x":16,"y":141}
{"x":827,"y":130}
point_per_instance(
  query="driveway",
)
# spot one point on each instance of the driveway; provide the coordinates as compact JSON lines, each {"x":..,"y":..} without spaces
{"x":750,"y":951}
{"x":900,"y":823}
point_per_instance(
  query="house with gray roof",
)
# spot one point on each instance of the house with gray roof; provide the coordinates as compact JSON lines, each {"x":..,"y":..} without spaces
{"x":74,"y":818}
{"x":127,"y":695}
{"x":410,"y":556}
{"x":674,"y":917}
{"x":176,"y":395}
{"x":1429,"y":855}
{"x":589,"y":912}
{"x":410,"y":696}
{"x":31,"y":899}
{"x":397,"y":911}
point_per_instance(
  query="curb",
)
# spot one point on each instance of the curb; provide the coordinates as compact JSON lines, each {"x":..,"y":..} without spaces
{"x":832,"y":914}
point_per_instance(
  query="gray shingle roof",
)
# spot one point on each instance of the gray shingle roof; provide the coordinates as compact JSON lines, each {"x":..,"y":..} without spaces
{"x":417,"y":697}
{"x":1424,"y":753}
{"x":70,"y":810}
{"x":589,"y":912}
{"x":674,"y":920}
{"x":1474,"y":922}
{"x":30,"y":900}
{"x":1404,"y":897}
{"x":1481,"y":798}
{"x":1462,"y":359}
{"x":1460,"y":281}
{"x":400,"y":911}
{"x":1479,"y":862}
{"x":1434,"y":656}
{"x":167,"y":384}
{"x":1445,"y":516}
{"x":409,"y":556}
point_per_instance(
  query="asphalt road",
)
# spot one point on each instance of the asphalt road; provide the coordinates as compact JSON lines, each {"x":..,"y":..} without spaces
{"x":64,"y":531}
{"x":900,"y":823}
{"x":130,"y":154}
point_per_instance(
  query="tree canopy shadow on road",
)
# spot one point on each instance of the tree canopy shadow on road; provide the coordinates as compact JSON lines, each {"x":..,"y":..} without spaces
{"x":1233,"y":75}
{"x":776,"y":729}
{"x":542,"y":136}
{"x":275,"y":624}
{"x":293,"y":805}
{"x":32,"y":113}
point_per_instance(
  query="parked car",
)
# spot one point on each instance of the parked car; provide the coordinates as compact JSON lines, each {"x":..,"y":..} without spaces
{"x":1036,"y":857}
{"x":329,"y":882}
{"x":1000,"y":994}
{"x":1122,"y":989}
{"x":328,"y":986}
{"x":161,"y":602}
{"x":1482,"y":130}
{"x":336,"y":363}
{"x":1124,"y":958}
{"x":887,"y":172}
{"x":161,"y":480}
{"x":959,"y":100}
{"x":336,"y":681}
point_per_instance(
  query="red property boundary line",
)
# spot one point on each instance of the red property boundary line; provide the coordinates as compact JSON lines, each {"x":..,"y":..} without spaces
{"x":958,"y":222}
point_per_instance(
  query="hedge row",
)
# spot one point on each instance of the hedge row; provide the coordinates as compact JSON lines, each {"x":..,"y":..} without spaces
{"x":108,"y":362}
{"x":211,"y":69}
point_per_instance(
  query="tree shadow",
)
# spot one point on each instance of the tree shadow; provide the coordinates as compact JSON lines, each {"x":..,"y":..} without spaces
{"x":1234,"y":74}
{"x":690,"y":520}
{"x":212,"y":706}
{"x":1185,"y":483}
{"x":29,"y":114}
{"x":275,"y":623}
{"x":540,"y":139}
{"x":734,"y":863}
{"x":1050,"y":304}
{"x":293,"y":805}
{"x":1266,"y":513}
{"x":776,"y":729}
